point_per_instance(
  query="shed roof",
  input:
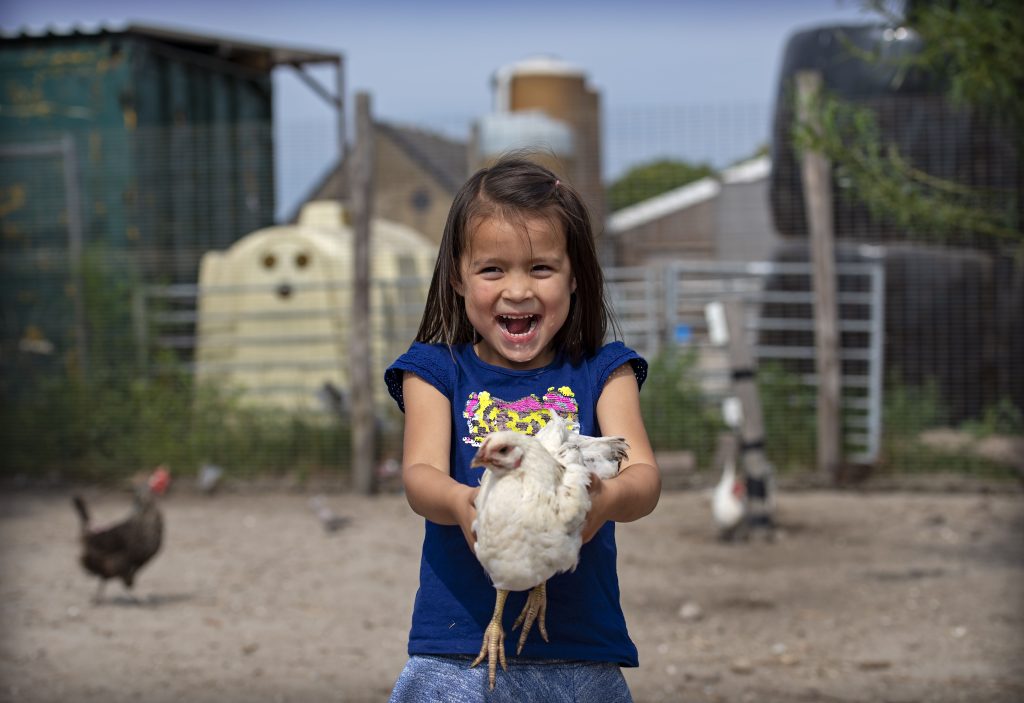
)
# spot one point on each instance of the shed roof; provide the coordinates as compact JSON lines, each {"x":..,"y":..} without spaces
{"x":687,"y":195}
{"x":256,"y":55}
{"x":442,"y":157}
{"x":661,"y":205}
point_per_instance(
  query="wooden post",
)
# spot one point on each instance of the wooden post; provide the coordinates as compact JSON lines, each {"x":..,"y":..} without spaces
{"x":817,"y":189}
{"x":360,"y":367}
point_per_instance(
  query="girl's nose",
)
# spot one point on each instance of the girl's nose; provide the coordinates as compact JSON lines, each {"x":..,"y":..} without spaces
{"x":517,"y":288}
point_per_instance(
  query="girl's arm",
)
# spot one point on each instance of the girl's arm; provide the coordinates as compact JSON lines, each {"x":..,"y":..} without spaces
{"x":429,"y":488}
{"x":635,"y":491}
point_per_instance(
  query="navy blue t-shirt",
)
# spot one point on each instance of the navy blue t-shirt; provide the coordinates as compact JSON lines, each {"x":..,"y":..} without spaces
{"x":455,"y":599}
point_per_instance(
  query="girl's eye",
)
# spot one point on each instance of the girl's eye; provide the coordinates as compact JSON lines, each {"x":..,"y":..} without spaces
{"x":542,"y":268}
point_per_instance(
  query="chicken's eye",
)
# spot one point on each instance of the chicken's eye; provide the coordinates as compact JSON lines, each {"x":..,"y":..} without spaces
{"x":503,"y":450}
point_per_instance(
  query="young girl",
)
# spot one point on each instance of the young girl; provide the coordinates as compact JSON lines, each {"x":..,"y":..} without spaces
{"x":513,"y":327}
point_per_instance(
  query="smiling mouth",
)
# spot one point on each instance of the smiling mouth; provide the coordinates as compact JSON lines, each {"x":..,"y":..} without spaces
{"x":518,"y":325}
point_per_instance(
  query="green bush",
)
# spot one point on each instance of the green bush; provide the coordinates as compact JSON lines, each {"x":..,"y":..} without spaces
{"x":909,"y":410}
{"x":676,"y":414}
{"x":1002,"y":418}
{"x":654,"y":178}
{"x":106,"y":428}
{"x":790,"y":422}
{"x":99,"y":416}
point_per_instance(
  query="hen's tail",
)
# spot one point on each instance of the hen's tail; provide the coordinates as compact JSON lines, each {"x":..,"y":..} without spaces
{"x":601,"y":456}
{"x":83,"y":512}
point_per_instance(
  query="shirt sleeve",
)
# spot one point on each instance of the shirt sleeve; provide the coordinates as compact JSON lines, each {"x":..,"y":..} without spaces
{"x":612,"y":356}
{"x":431,"y":362}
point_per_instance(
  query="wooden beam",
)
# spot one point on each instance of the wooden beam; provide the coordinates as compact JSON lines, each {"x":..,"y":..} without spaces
{"x":360,"y":368}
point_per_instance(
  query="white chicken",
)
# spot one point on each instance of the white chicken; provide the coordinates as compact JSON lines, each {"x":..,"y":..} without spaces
{"x":532,"y":505}
{"x":728,"y":502}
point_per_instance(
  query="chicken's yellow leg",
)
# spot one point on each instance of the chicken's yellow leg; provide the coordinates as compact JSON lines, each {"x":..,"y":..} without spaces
{"x":535,"y":608}
{"x":493,"y":647}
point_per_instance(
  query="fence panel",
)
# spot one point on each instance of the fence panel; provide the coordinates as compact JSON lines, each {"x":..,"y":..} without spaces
{"x":656,"y":309}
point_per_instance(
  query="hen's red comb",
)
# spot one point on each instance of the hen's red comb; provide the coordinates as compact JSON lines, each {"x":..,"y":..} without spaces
{"x":160,"y":479}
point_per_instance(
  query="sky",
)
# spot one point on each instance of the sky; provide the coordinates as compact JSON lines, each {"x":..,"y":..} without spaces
{"x":429,"y":64}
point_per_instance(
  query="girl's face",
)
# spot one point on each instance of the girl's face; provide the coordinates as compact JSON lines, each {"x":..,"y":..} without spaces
{"x":516,"y":285}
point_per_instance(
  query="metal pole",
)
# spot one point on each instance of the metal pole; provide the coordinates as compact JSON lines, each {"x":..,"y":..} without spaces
{"x":670,"y":292}
{"x":877,"y":351}
{"x":140,"y":324}
{"x":73,"y":202}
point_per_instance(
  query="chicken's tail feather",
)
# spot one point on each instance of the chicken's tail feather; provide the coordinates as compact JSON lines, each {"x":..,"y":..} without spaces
{"x":604,"y":455}
{"x":83,"y":512}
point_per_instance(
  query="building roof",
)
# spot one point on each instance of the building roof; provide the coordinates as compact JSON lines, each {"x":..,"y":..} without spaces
{"x":661,"y":205}
{"x":443,"y":158}
{"x":257,"y":55}
{"x":686,"y":196}
{"x":748,"y":171}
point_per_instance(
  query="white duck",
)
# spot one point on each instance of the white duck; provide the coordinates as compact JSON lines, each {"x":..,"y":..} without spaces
{"x":729,"y":501}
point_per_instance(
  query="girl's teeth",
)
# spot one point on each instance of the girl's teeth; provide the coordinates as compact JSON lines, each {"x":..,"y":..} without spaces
{"x":525,"y":324}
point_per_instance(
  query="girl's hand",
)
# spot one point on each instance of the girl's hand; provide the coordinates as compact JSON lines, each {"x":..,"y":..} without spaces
{"x":465,"y":512}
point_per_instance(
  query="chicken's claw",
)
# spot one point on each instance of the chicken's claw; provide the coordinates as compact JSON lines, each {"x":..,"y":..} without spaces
{"x":493,"y":646}
{"x":535,"y":608}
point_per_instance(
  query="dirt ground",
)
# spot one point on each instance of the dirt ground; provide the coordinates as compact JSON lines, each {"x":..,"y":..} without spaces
{"x":862,"y":597}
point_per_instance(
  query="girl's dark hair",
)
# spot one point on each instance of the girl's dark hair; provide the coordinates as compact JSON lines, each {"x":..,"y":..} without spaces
{"x":512,"y":189}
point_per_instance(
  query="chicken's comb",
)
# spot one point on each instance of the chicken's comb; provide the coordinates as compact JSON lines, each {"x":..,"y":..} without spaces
{"x":160,"y":479}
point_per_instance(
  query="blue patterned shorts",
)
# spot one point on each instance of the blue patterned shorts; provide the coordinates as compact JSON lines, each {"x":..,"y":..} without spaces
{"x":436,"y":679}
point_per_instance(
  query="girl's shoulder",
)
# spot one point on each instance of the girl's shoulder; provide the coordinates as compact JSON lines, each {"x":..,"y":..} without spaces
{"x":613,"y":355}
{"x":434,"y":363}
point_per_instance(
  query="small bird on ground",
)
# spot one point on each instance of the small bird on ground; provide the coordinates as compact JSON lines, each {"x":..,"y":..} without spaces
{"x":121,"y":549}
{"x":531,"y":509}
{"x":331,"y":521}
{"x":208,"y":478}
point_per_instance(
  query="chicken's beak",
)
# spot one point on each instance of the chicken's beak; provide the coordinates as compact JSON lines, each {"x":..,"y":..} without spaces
{"x":481,"y":456}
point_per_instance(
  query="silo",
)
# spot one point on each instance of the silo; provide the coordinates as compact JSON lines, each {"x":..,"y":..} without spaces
{"x":560,"y":92}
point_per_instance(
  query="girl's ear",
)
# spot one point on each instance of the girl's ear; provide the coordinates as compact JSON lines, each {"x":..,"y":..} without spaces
{"x":572,"y":289}
{"x":456,"y":283}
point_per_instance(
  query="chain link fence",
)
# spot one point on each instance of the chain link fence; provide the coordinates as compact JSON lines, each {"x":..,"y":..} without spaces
{"x":116,"y":354}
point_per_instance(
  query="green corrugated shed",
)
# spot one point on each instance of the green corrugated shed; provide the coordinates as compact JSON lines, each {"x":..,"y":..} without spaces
{"x":174,"y":145}
{"x":173,"y":156}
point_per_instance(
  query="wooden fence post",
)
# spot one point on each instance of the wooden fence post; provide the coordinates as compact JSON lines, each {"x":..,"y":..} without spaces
{"x":361,"y":168}
{"x":817,"y":189}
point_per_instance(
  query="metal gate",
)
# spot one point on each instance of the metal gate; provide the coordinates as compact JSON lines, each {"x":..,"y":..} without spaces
{"x":656,"y":308}
{"x":659,"y":308}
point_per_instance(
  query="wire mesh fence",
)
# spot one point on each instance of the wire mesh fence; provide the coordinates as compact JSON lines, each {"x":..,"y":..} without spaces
{"x":118,"y":351}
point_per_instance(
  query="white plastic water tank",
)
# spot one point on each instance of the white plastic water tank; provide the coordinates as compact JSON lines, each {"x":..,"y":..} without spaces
{"x":274,"y":307}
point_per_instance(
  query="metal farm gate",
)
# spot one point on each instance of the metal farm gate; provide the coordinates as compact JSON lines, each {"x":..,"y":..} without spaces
{"x":659,"y":309}
{"x":655,"y":308}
